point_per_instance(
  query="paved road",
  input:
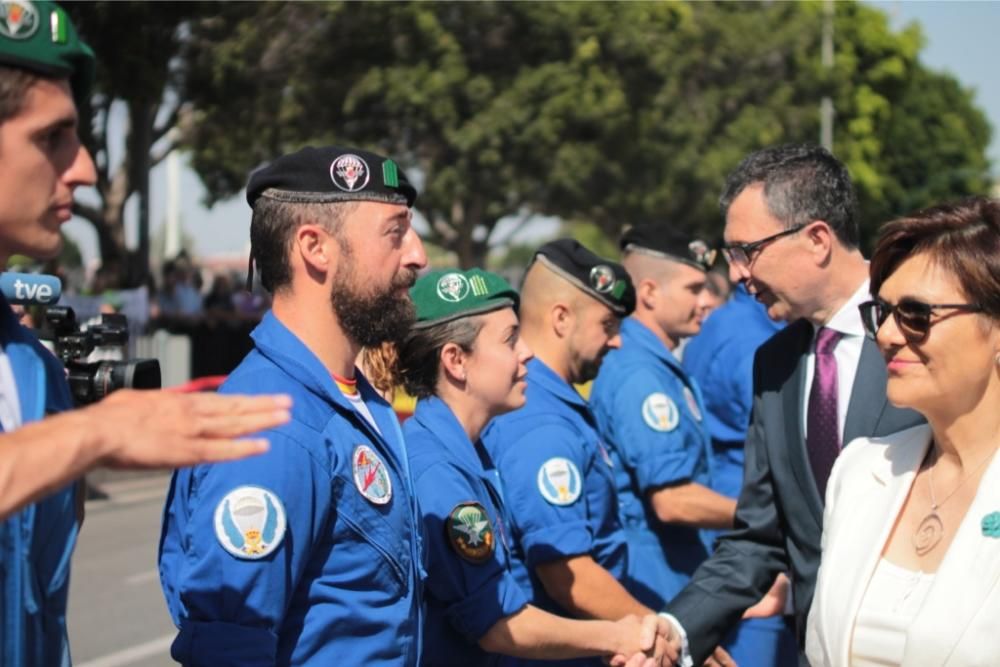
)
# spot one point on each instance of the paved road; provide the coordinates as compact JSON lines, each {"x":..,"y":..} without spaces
{"x":117,"y":616}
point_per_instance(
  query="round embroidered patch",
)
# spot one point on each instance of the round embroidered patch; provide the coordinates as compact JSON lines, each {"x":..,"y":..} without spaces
{"x":692,"y":403}
{"x":349,"y":173}
{"x":452,"y":287}
{"x":602,"y":278}
{"x":250,"y":522}
{"x":559,"y":481}
{"x":470,"y":532}
{"x":660,"y":412}
{"x":19,"y":19}
{"x":370,"y":475}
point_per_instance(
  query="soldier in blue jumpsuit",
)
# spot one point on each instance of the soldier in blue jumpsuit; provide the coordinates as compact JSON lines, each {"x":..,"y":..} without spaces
{"x":465,"y":361}
{"x":469,"y":586}
{"x":310,"y":554}
{"x":720,"y":360}
{"x":556,"y":472}
{"x":651,"y":415}
{"x":36,"y":543}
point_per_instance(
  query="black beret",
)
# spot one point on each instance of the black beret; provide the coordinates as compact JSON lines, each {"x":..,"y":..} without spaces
{"x":331,"y":174}
{"x":606,"y":281}
{"x":663,"y":241}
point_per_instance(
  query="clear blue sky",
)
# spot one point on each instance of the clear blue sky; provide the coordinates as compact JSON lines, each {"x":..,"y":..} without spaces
{"x":961,"y":38}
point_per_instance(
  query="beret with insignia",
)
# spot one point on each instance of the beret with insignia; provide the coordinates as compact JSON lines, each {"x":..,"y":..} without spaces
{"x":442,"y":296}
{"x":606,"y":281}
{"x":331,"y":174}
{"x":39,"y":37}
{"x":665,"y":242}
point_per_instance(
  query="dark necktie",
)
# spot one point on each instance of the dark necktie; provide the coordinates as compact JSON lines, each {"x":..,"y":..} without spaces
{"x":822,"y":434}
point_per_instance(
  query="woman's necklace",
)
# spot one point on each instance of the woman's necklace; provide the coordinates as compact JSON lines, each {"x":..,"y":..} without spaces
{"x":930,"y":530}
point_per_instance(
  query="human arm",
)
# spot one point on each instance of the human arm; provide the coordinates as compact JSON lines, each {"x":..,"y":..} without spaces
{"x":535,"y":634}
{"x":227,"y":599}
{"x":692,"y":504}
{"x":747,"y":559}
{"x":586,"y":590}
{"x":131,"y":429}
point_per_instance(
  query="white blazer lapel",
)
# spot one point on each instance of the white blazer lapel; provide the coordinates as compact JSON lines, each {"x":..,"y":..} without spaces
{"x":963,"y":582}
{"x":872,"y":500}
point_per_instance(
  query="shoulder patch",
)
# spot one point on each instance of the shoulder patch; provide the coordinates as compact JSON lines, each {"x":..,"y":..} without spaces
{"x":470,"y":532}
{"x":559,"y":481}
{"x":370,"y":475}
{"x":692,"y":403}
{"x":250,"y":522}
{"x":660,"y":412}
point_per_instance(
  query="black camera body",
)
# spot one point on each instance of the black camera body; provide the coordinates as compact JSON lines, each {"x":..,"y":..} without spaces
{"x":92,"y":356}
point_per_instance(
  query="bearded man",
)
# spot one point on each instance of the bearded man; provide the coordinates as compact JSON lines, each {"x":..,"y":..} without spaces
{"x":310,"y":554}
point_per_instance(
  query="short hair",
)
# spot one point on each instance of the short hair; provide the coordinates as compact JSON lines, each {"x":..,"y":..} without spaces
{"x":962,"y":237}
{"x":802,"y":183}
{"x":419,"y":355}
{"x":272,"y":228}
{"x":15,"y":83}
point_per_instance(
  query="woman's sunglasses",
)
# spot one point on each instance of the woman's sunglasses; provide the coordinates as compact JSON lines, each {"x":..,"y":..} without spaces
{"x":912,"y":317}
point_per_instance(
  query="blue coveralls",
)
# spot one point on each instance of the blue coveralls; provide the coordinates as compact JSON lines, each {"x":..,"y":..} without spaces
{"x":342,"y":584}
{"x":37,"y":542}
{"x":720,"y":360}
{"x":558,"y":483}
{"x":465,"y":595}
{"x":650,"y":415}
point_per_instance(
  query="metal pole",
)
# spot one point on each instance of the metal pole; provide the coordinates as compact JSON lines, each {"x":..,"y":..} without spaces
{"x":826,"y":104}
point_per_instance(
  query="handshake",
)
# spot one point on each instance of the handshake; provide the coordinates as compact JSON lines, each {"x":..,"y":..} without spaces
{"x":653,"y":641}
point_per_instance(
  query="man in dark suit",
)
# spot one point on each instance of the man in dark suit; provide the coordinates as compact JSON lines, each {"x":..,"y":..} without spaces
{"x":791,"y":238}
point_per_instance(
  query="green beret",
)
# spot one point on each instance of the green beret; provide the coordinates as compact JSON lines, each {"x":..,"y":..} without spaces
{"x":39,"y":37}
{"x":442,"y":296}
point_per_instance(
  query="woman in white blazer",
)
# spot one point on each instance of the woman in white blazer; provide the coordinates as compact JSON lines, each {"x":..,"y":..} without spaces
{"x":910,"y":571}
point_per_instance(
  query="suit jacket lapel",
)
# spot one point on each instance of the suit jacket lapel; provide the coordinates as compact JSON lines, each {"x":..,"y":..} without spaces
{"x":798,"y":456}
{"x":868,"y":399}
{"x":874,"y":505}
{"x":966,"y":578}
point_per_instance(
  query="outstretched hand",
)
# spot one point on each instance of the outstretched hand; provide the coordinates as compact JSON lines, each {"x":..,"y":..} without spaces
{"x":162,"y":429}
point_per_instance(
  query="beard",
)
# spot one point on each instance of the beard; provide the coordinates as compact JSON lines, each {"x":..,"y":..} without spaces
{"x":373,"y":316}
{"x":587,"y":370}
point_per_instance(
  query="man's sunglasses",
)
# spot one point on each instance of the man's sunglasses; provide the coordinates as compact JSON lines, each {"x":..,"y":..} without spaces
{"x":743,"y":253}
{"x":912,"y":317}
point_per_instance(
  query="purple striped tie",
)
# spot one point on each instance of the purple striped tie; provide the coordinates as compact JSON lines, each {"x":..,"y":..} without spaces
{"x":822,"y":434}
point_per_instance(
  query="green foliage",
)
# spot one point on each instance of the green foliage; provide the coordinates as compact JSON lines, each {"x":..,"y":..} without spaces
{"x":608,"y":113}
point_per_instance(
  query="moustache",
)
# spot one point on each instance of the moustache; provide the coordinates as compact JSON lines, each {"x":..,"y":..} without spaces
{"x":405,"y":278}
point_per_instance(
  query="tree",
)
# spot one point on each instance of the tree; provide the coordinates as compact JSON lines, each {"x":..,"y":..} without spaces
{"x":136,"y":44}
{"x":609,"y":113}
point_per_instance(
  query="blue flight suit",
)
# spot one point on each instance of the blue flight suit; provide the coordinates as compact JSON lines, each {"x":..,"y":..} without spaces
{"x":650,"y":414}
{"x":720,"y":360}
{"x":553,"y":439}
{"x":464,"y":597}
{"x":37,"y":542}
{"x":341,"y":583}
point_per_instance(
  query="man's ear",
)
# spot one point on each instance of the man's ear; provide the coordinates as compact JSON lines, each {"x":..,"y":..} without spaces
{"x":312,"y":245}
{"x":646,"y":293}
{"x":453,"y":359}
{"x":821,"y":238}
{"x":562,"y":319}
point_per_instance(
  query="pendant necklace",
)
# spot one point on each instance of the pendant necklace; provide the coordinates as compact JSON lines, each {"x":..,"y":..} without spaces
{"x":930,"y":530}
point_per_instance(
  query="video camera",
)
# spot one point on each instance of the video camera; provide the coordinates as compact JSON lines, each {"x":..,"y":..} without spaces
{"x":93,"y":355}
